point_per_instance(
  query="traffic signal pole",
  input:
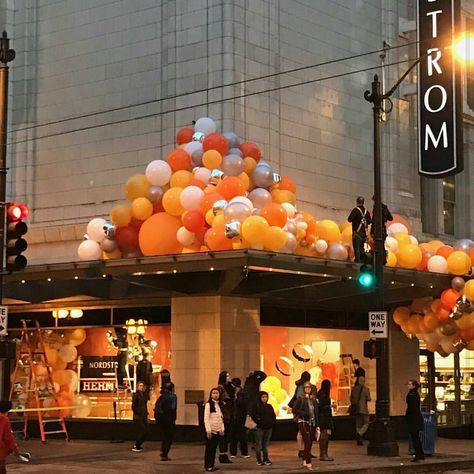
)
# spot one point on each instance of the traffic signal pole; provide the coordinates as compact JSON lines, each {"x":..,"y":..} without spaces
{"x":6,"y":55}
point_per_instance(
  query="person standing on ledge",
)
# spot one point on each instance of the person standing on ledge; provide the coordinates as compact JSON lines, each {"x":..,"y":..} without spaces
{"x":386,"y":217}
{"x":360,"y":220}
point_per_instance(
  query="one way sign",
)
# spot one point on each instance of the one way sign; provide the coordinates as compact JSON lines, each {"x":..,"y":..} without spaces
{"x":378,"y":325}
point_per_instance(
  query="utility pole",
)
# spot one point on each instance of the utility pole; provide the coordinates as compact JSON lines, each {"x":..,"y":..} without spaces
{"x":6,"y":55}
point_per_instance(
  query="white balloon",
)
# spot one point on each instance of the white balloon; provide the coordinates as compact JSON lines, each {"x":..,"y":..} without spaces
{"x":301,"y":225}
{"x":184,"y":236}
{"x":391,"y":243}
{"x":158,"y":173}
{"x":193,"y":147}
{"x":203,"y":174}
{"x":290,"y":209}
{"x":414,"y":240}
{"x":67,"y":353}
{"x":205,"y":125}
{"x":437,"y":264}
{"x":190,"y":197}
{"x":95,"y":229}
{"x":321,"y":246}
{"x":243,"y":200}
{"x":396,"y":228}
{"x":89,"y":250}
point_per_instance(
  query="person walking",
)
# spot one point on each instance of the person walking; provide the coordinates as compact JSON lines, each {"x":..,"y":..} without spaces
{"x":264,"y":417}
{"x":214,"y":425}
{"x":360,"y":396}
{"x":305,"y":377}
{"x":8,"y":445}
{"x":306,"y":408}
{"x":326,"y":424}
{"x":358,"y":371}
{"x":238,"y":434}
{"x":140,"y":415}
{"x":165,"y":417}
{"x":360,"y":220}
{"x":414,"y":419}
{"x":227,"y":392}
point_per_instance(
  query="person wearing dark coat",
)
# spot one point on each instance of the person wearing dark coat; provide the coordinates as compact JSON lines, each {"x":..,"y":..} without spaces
{"x":165,"y":417}
{"x":238,"y":433}
{"x":360,"y":220}
{"x":145,"y":370}
{"x":414,"y":419}
{"x":227,"y":391}
{"x":140,"y":415}
{"x":306,"y":408}
{"x":252,"y":387}
{"x":326,"y":424}
{"x":305,"y":377}
{"x":264,"y":417}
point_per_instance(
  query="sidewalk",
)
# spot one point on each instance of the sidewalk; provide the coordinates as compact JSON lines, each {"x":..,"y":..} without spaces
{"x":99,"y":457}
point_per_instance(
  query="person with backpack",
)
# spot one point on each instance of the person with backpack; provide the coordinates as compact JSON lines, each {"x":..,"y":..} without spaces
{"x":165,"y":417}
{"x":360,"y":220}
{"x":214,"y":425}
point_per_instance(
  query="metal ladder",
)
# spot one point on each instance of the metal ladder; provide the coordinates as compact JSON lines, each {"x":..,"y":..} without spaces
{"x":31,"y":353}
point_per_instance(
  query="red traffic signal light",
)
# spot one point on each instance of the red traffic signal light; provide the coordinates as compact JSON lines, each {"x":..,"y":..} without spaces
{"x":15,"y":244}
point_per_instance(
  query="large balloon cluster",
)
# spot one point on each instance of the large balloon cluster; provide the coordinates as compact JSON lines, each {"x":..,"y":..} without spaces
{"x":214,"y":192}
{"x":445,"y":324}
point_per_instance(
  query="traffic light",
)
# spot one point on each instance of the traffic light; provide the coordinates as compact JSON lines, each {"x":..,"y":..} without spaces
{"x":372,"y":349}
{"x":366,"y":276}
{"x":15,"y":243}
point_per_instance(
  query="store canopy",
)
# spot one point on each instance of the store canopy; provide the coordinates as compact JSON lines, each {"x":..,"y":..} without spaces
{"x":277,"y":279}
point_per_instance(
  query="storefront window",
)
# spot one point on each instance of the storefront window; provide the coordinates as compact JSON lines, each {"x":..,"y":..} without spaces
{"x":324,"y":353}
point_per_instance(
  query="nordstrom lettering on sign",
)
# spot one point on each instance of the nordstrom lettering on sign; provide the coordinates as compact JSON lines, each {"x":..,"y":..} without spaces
{"x":440,"y":143}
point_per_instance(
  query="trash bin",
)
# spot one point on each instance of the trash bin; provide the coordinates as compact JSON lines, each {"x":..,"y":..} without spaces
{"x":427,"y":436}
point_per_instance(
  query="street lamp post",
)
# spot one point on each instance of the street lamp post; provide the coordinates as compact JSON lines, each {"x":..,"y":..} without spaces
{"x":6,"y":55}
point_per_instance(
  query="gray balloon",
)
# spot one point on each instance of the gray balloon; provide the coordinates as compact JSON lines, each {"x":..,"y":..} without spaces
{"x":457,"y":283}
{"x":233,"y":139}
{"x":232,"y":165}
{"x":108,"y":245}
{"x":262,"y":176}
{"x":464,"y":244}
{"x":155,"y":193}
{"x":235,"y":151}
{"x":196,"y":157}
{"x":290,"y":244}
{"x":260,"y":197}
{"x":448,"y":329}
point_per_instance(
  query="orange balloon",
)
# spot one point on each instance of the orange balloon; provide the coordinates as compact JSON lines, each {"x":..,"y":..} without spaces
{"x":136,"y":186}
{"x":443,"y":314}
{"x":329,"y":231}
{"x":471,"y":254}
{"x":211,"y":159}
{"x":196,"y":182}
{"x":121,"y":215}
{"x":230,"y":187}
{"x":431,"y":321}
{"x":424,"y":261}
{"x":310,"y":220}
{"x":346,"y":235}
{"x":449,"y":298}
{"x":445,"y":251}
{"x":274,"y":214}
{"x":435,"y":245}
{"x":184,"y":135}
{"x":287,"y":184}
{"x":142,"y":208}
{"x":178,"y":159}
{"x":181,"y":178}
{"x":249,"y":165}
{"x":158,"y":235}
{"x":216,"y":240}
{"x":244,"y":177}
{"x":208,"y":200}
{"x":401,"y":315}
{"x":171,"y":201}
{"x":281,"y":195}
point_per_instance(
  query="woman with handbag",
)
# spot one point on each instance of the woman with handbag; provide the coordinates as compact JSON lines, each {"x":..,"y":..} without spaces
{"x":360,"y":395}
{"x":325,"y":419}
{"x":306,"y":408}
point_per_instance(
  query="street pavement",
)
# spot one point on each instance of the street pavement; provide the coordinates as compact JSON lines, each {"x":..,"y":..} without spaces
{"x":101,"y":457}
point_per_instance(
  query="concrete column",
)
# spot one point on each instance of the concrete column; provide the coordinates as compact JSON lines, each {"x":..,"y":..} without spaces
{"x":404,"y":365}
{"x":210,"y":334}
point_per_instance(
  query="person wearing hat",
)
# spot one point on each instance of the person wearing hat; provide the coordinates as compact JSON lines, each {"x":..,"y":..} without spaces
{"x":238,"y":433}
{"x":360,"y":220}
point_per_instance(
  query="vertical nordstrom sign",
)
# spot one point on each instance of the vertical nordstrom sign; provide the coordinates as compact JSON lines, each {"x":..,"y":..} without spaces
{"x":440,"y":141}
